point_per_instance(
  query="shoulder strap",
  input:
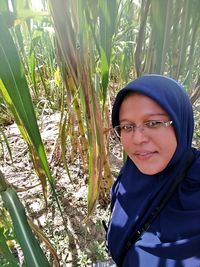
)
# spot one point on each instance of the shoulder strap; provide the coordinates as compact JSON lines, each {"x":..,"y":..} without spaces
{"x":136,"y":235}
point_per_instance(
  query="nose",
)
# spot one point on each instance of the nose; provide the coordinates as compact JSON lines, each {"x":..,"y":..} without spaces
{"x":138,"y":135}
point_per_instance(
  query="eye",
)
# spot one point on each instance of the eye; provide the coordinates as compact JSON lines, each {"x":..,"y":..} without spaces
{"x":127,"y":127}
{"x":154,"y":124}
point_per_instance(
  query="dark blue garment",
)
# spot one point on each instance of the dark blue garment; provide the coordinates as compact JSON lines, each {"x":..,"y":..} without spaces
{"x":173,"y":239}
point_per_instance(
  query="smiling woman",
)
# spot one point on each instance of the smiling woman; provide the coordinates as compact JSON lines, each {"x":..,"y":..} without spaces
{"x":146,"y":145}
{"x":155,"y":218}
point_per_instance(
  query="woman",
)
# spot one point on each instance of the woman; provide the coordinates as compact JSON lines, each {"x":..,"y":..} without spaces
{"x":155,"y":219}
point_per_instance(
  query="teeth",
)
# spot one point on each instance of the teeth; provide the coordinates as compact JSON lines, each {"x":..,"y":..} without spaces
{"x":143,"y":153}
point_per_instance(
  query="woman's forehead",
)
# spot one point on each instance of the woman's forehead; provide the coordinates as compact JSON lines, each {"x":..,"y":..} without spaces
{"x":140,"y":105}
{"x":135,"y":97}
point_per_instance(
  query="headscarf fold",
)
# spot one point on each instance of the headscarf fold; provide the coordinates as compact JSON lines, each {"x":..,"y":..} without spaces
{"x":135,"y":195}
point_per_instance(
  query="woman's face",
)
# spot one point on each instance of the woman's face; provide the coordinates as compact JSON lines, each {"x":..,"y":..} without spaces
{"x":150,"y":149}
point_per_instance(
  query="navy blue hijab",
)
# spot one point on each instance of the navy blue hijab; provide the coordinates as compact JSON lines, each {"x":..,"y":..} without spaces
{"x":173,"y":238}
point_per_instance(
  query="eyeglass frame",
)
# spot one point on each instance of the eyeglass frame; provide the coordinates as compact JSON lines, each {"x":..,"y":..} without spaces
{"x":134,"y":127}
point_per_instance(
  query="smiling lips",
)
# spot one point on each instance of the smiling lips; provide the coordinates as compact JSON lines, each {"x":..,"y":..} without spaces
{"x":144,"y":155}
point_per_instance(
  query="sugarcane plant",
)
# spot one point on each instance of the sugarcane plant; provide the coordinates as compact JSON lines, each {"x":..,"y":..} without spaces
{"x":15,"y":91}
{"x":14,"y":88}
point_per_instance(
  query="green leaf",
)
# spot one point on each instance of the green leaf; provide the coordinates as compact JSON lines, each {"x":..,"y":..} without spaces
{"x":159,"y":20}
{"x":13,"y":77}
{"x":14,"y":87}
{"x":104,"y":74}
{"x":33,"y":254}
{"x":6,"y":257}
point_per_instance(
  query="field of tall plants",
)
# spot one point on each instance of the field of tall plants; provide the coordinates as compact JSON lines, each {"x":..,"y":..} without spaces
{"x":61,"y":64}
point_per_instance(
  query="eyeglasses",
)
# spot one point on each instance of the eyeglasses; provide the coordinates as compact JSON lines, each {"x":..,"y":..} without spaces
{"x":146,"y":127}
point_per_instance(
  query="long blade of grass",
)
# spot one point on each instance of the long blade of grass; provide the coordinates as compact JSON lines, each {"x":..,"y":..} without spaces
{"x":33,"y":254}
{"x":15,"y":85}
{"x":158,"y":18}
{"x":36,"y":161}
{"x":184,"y":32}
{"x":7,"y":143}
{"x":13,"y":78}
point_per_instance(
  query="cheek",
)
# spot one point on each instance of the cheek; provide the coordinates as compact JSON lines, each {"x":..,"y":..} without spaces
{"x":127,"y":146}
{"x":166,"y":147}
{"x":170,"y":146}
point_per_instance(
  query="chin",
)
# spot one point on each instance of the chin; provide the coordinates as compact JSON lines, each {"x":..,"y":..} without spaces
{"x":150,"y":170}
